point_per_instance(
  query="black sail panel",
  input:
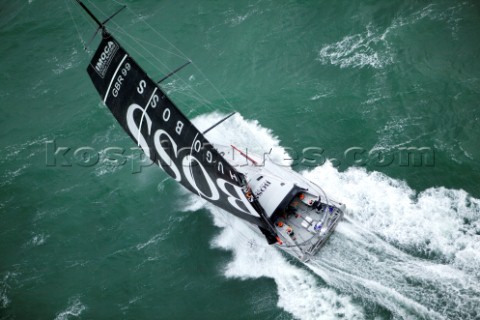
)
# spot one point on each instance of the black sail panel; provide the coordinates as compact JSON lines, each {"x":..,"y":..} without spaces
{"x":166,"y":136}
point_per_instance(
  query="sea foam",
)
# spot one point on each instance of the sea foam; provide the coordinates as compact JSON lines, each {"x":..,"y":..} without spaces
{"x":407,"y":251}
{"x":299,"y":291}
{"x":74,"y":309}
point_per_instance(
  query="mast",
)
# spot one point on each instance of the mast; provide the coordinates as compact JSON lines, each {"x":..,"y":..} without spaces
{"x":100,"y":24}
{"x":165,"y":134}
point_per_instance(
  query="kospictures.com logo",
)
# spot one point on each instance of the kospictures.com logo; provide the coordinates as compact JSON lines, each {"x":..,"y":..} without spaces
{"x":84,"y":156}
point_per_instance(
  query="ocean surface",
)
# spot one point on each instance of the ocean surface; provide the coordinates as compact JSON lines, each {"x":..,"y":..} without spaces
{"x":376,"y":101}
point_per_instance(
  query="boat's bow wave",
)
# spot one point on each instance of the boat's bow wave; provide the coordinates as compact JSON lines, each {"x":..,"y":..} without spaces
{"x":299,"y":292}
{"x":379,"y":255}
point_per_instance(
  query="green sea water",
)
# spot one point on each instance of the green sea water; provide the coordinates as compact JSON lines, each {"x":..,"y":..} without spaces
{"x":341,"y":90}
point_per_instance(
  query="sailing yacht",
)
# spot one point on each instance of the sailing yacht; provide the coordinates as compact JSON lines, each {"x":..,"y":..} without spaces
{"x":289,"y":211}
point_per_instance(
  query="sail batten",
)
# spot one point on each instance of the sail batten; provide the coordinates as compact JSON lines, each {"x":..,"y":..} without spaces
{"x":167,"y":137}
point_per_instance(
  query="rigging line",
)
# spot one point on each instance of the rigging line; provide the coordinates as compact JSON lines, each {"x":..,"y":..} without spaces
{"x":141,"y":18}
{"x":186,"y":57}
{"x":185,"y":92}
{"x":223,"y":217}
{"x":200,"y":98}
{"x":160,"y":48}
{"x":132,"y":48}
{"x":113,"y":15}
{"x":174,"y":71}
{"x":213,"y":86}
{"x":119,"y":29}
{"x":75,"y":24}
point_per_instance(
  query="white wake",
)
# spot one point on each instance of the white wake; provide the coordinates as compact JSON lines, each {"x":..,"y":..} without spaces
{"x":416,"y":255}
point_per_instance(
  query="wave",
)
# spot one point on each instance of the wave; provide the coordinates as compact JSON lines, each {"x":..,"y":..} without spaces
{"x":372,"y":48}
{"x":416,"y":254}
{"x":369,"y":48}
{"x":5,"y":281}
{"x":438,"y":223}
{"x":246,"y":134}
{"x":74,"y":309}
{"x":299,"y":292}
{"x":10,"y":155}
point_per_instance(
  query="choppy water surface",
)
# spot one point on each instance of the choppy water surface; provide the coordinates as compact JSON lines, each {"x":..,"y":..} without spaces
{"x":102,"y":240}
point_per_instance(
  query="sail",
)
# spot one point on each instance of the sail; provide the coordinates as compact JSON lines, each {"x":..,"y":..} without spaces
{"x":166,"y":136}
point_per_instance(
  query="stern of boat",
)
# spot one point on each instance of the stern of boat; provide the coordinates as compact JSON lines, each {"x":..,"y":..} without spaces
{"x":305,"y":229}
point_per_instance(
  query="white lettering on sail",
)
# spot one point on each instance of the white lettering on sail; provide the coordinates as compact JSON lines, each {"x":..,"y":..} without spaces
{"x":132,"y":126}
{"x":233,"y":175}
{"x":155,"y":101}
{"x":117,"y":86}
{"x":119,"y":82}
{"x":234,"y":200}
{"x":166,"y":114}
{"x":212,"y":188}
{"x":162,"y":133}
{"x":164,"y":155}
{"x":186,"y":164}
{"x":179,"y":127}
{"x":220,"y":167}
{"x":209,"y":157}
{"x":197,"y":145}
{"x":105,"y":58}
{"x":152,"y":98}
{"x":141,"y":86}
